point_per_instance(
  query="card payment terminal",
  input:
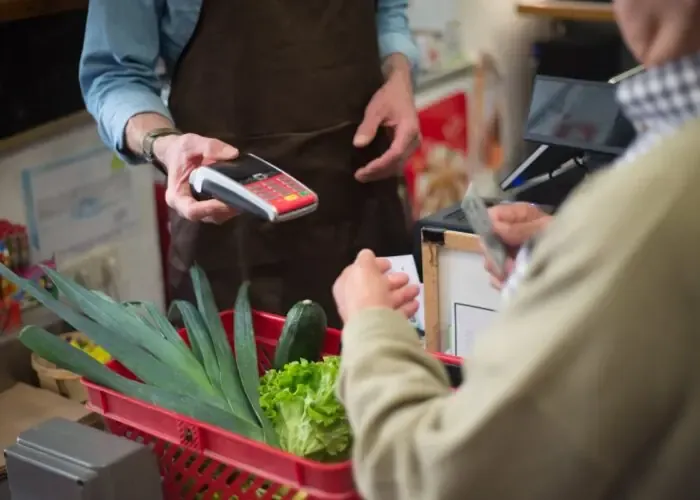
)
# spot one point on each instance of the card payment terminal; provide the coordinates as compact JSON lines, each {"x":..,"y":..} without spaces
{"x":251,"y":184}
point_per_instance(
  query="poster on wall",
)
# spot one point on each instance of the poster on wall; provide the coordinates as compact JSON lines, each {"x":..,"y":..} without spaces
{"x":437,"y":30}
{"x":436,"y":175}
{"x":77,"y":202}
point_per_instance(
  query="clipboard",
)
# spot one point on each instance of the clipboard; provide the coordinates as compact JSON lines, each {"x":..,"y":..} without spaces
{"x":458,"y":299}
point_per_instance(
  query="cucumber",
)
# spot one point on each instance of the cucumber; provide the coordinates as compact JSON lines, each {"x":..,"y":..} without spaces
{"x":303,"y":334}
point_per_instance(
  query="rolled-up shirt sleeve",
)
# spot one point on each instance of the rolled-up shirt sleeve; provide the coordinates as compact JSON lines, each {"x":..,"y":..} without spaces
{"x":117,"y":68}
{"x":394,"y":32}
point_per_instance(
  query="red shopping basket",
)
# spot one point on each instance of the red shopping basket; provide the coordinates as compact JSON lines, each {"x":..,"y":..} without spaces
{"x":201,"y":462}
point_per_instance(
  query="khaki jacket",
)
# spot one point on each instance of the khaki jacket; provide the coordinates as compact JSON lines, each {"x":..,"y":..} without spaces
{"x":588,"y":384}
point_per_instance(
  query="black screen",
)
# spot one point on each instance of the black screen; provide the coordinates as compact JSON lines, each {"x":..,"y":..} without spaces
{"x":245,"y":169}
{"x":39,"y":68}
{"x":579,"y":114}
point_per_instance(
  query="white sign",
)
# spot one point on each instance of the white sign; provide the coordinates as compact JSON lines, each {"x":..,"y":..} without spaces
{"x":469,"y":322}
{"x":432,"y":15}
{"x":406,"y":264}
{"x":77,"y":202}
{"x":468,"y":302}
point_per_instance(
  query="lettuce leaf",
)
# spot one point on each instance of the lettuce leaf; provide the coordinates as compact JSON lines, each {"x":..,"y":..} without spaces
{"x":300,"y":402}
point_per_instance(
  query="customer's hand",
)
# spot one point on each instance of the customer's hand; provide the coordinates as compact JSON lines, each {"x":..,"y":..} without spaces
{"x":392,"y":106}
{"x":514,"y":224}
{"x":180,"y":155}
{"x":366,"y":284}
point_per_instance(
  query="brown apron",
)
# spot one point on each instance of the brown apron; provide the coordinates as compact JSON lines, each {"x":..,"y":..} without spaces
{"x":289,"y":81}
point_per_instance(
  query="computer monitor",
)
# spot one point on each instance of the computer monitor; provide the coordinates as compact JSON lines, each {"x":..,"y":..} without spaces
{"x":578,"y":114}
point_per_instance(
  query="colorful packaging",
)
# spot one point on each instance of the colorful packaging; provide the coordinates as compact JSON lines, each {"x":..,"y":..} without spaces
{"x":15,"y":254}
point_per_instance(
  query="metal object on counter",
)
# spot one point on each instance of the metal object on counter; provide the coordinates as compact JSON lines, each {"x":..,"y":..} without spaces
{"x":63,"y":460}
{"x":627,"y":74}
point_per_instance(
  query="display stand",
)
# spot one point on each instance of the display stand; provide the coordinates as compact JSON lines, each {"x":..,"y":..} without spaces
{"x":459,"y":301}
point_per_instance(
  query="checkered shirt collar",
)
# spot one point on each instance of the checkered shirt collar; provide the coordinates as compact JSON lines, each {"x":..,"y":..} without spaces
{"x":662,"y":98}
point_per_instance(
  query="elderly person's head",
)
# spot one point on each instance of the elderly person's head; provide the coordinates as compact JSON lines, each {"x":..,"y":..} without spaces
{"x":658,"y":31}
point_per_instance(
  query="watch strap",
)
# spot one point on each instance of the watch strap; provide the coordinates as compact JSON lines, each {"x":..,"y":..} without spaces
{"x":150,"y":138}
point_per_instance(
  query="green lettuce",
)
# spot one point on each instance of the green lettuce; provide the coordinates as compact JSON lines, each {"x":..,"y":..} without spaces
{"x":300,"y":402}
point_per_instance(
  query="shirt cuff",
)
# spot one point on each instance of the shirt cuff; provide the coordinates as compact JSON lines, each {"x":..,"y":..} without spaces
{"x":119,"y":110}
{"x":401,"y":43}
{"x":377,"y":324}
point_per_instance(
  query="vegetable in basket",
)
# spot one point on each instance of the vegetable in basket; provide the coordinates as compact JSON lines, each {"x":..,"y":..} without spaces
{"x":300,"y":401}
{"x":293,"y":407}
{"x":209,"y":384}
{"x":303,"y":334}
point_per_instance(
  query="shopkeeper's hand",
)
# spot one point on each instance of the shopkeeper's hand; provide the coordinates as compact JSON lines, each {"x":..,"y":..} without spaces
{"x":391,"y":106}
{"x":367,"y":284}
{"x":181,"y":154}
{"x":514,"y":224}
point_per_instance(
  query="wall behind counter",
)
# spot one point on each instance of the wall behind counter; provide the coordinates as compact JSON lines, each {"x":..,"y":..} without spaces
{"x":136,"y":246}
{"x":494,"y":27}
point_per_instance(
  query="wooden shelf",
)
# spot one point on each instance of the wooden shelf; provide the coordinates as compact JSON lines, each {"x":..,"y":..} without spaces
{"x":44,"y":131}
{"x":568,"y":11}
{"x":13,"y":10}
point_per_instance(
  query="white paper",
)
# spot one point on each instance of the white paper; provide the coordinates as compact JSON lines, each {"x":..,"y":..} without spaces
{"x":77,"y":202}
{"x":469,"y":322}
{"x":432,"y":15}
{"x":406,"y":264}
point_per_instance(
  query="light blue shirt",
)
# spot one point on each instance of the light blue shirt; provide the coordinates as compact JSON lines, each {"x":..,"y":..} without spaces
{"x":125,"y":39}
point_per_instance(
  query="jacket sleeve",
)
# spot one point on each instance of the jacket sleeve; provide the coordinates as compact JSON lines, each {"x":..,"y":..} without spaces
{"x":117,"y":68}
{"x":559,"y":396}
{"x":394,"y":32}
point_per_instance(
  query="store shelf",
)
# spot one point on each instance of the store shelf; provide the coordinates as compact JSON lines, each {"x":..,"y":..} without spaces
{"x":36,"y":316}
{"x":14,"y":10}
{"x":568,"y":11}
{"x":430,"y":79}
{"x":15,"y":362}
{"x":43,"y":131}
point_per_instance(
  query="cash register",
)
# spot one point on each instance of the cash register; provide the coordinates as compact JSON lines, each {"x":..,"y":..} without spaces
{"x":573,"y":127}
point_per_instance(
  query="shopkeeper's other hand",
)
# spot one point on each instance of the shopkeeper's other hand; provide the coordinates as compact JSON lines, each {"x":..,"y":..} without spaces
{"x":514,"y":224}
{"x":391,"y":106}
{"x":367,"y":284}
{"x":181,"y":154}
